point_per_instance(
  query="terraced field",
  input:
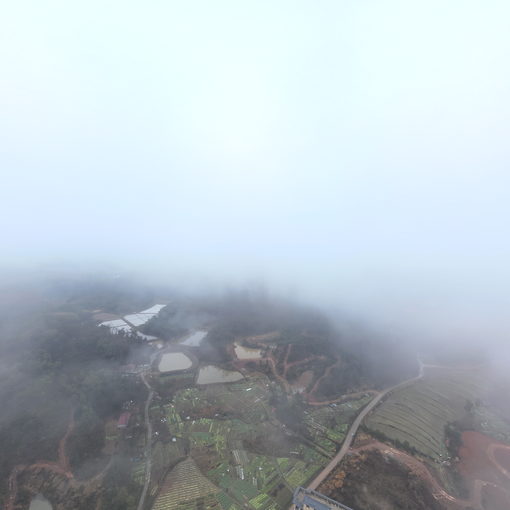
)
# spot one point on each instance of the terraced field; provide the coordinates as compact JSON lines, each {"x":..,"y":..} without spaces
{"x":222,"y":429}
{"x":138,"y":472}
{"x":184,"y":484}
{"x":415,"y":416}
{"x":248,"y":482}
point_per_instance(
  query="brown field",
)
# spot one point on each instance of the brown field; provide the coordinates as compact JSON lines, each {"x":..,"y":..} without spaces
{"x":481,"y":464}
{"x":376,"y":480}
{"x":474,"y":461}
{"x":303,"y":381}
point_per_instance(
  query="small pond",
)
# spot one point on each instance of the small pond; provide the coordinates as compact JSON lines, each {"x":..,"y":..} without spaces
{"x":39,"y":502}
{"x":247,"y":352}
{"x":171,"y":361}
{"x":211,"y":374}
{"x":195,"y":339}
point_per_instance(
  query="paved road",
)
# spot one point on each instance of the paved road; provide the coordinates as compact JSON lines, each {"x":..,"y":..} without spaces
{"x":354,"y":428}
{"x":148,"y":448}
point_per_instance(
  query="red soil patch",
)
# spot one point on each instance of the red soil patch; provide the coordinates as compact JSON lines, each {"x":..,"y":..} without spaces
{"x":303,"y":381}
{"x":503,"y":457}
{"x":475,"y":463}
{"x":495,"y":498}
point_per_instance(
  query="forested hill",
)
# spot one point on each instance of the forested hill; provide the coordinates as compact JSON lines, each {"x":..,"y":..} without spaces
{"x":57,"y":363}
{"x":368,"y":359}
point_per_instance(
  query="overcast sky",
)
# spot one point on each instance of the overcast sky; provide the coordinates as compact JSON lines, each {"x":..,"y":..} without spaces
{"x":354,"y":150}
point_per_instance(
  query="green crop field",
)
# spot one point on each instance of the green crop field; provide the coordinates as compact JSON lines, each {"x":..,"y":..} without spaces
{"x":415,"y":416}
{"x":165,"y":454}
{"x":327,"y":425}
{"x":138,"y":472}
{"x":184,"y":484}
{"x":218,"y":426}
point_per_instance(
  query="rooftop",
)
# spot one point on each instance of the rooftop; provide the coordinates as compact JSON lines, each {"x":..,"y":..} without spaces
{"x":123,"y":419}
{"x":307,"y":498}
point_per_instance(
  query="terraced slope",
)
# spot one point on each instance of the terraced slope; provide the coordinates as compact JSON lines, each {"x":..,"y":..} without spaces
{"x":183,"y":484}
{"x":416,"y":415}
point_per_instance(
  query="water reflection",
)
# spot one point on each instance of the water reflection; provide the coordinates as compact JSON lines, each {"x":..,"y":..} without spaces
{"x":171,"y":361}
{"x":39,"y":502}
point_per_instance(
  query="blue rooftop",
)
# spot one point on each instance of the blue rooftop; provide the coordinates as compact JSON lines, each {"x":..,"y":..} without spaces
{"x":309,"y":501}
{"x":315,"y":500}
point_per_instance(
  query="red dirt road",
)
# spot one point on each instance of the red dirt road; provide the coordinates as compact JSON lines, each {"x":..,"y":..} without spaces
{"x":63,"y":459}
{"x":420,"y":470}
{"x":61,"y":467}
{"x":489,"y":481}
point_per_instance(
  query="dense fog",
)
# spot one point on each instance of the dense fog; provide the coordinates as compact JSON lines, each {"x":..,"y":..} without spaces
{"x":349,"y":155}
{"x":252,"y":247}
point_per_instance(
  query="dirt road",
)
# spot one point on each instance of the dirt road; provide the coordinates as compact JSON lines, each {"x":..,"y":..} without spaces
{"x":418,"y":468}
{"x":415,"y":465}
{"x":61,"y":467}
{"x":354,"y":428}
{"x":421,"y":470}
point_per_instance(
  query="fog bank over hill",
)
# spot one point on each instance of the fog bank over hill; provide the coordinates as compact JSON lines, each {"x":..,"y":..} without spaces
{"x":349,"y":155}
{"x":439,"y":320}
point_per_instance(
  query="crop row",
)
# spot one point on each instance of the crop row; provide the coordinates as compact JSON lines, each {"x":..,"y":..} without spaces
{"x":417,"y":415}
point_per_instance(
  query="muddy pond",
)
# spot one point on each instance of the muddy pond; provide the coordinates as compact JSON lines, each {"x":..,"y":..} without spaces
{"x":39,"y":502}
{"x":211,"y":375}
{"x":172,"y":361}
{"x":243,"y":352}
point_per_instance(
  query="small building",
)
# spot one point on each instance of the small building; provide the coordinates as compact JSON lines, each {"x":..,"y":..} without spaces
{"x":307,"y":499}
{"x":123,"y":420}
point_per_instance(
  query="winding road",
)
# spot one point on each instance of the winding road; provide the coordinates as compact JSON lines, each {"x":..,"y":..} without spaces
{"x":438,"y":492}
{"x":355,"y":425}
{"x":475,"y":501}
{"x":61,"y":467}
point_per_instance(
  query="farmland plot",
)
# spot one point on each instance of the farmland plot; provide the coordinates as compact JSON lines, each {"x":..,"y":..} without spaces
{"x":230,"y":434}
{"x":185,"y":483}
{"x":416,"y":415}
{"x":328,"y":425}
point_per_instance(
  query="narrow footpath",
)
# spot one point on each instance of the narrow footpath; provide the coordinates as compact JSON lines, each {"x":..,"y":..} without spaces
{"x":148,"y":447}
